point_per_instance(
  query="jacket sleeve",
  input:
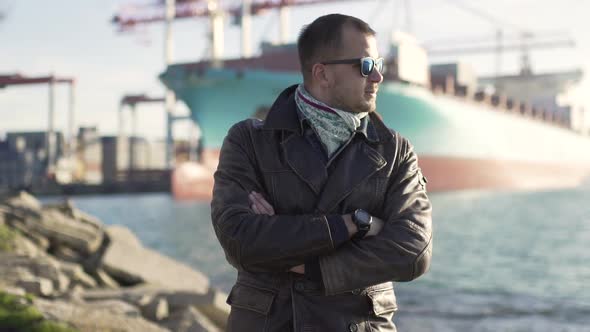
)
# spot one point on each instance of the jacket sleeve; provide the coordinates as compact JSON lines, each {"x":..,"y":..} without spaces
{"x":402,"y":250}
{"x":258,"y":243}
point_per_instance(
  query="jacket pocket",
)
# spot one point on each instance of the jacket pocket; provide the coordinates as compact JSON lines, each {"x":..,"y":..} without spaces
{"x":383,"y":301}
{"x":251,"y":298}
{"x":250,"y":308}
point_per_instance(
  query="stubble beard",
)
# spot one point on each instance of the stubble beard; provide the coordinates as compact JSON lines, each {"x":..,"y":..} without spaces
{"x":367,"y":106}
{"x":361,"y":106}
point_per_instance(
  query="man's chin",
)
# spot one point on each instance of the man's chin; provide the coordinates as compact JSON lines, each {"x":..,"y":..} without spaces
{"x":368,"y":107}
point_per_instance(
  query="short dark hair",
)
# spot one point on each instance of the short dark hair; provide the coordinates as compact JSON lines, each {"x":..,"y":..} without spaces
{"x":323,"y":38}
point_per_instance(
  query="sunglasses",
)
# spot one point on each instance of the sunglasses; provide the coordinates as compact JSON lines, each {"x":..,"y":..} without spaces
{"x":367,"y":64}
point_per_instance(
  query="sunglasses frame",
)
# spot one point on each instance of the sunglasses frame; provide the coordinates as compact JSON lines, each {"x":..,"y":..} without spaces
{"x":358,"y":61}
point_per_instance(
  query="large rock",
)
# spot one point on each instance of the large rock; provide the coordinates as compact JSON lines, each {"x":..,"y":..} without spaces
{"x":61,"y":229}
{"x":24,"y":246}
{"x":39,"y":240}
{"x":66,"y":254}
{"x":122,"y":234}
{"x":16,"y":291}
{"x":126,"y":259}
{"x":67,"y":208}
{"x":153,"y":308}
{"x":15,"y":268}
{"x":86,"y":218}
{"x":18,"y":219}
{"x":190,"y":320}
{"x":77,"y":275}
{"x":128,"y":294}
{"x":36,"y":285}
{"x":23,"y":201}
{"x":105,"y":280}
{"x":10,"y":275}
{"x":212,"y":304}
{"x":97,"y":316}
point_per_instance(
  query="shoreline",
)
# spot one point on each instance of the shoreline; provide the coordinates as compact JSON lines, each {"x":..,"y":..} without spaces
{"x":86,"y":275}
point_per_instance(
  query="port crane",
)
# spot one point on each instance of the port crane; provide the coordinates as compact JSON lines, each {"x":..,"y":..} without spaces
{"x":525,"y":42}
{"x":13,"y":79}
{"x":131,"y":16}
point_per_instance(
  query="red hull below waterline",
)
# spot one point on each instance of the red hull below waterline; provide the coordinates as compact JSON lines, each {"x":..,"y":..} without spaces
{"x":192,"y":181}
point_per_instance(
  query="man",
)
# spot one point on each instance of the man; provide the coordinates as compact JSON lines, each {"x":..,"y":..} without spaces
{"x":320,"y":207}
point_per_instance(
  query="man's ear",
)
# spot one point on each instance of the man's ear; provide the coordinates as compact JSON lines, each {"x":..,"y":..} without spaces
{"x":321,"y":75}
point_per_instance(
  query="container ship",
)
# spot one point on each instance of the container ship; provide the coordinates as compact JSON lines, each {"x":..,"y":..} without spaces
{"x":499,"y":133}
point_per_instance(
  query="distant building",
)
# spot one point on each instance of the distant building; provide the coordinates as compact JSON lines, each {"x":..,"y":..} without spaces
{"x":23,"y":159}
{"x":139,"y":153}
{"x":15,"y":168}
{"x":115,"y":157}
{"x":35,"y":141}
{"x":133,"y":153}
{"x":90,"y":155}
{"x":147,"y":155}
{"x":158,"y":154}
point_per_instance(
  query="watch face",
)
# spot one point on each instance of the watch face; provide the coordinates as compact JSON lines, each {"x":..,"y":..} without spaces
{"x":363,"y":216}
{"x":363,"y":220}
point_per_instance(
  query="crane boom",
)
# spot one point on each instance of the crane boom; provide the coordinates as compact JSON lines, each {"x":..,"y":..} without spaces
{"x":199,"y":8}
{"x":509,"y":47}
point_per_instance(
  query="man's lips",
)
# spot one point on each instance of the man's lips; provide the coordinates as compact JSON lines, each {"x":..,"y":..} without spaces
{"x":373,"y":90}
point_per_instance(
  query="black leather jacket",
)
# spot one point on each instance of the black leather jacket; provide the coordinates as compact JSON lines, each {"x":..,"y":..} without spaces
{"x":376,"y":171}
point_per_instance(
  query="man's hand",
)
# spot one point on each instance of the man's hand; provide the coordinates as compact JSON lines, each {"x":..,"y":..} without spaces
{"x":298,"y":269}
{"x":376,"y":227}
{"x":260,"y":206}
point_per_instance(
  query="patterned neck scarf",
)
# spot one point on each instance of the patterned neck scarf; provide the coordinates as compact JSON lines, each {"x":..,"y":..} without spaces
{"x":333,"y":126}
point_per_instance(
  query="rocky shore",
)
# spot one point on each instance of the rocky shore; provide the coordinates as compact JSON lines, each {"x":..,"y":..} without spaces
{"x":63,"y":270}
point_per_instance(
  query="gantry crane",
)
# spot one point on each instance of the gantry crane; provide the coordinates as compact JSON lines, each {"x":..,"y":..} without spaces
{"x":18,"y":79}
{"x":167,"y":11}
{"x":527,"y":40}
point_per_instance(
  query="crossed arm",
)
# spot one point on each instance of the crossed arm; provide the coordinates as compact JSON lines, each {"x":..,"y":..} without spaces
{"x":256,"y":239}
{"x":260,"y":206}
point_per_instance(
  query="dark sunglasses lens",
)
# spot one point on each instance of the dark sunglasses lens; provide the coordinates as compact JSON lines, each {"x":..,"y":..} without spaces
{"x":367,"y":67}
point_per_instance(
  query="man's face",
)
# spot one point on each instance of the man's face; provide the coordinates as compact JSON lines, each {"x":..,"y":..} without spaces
{"x":349,"y":90}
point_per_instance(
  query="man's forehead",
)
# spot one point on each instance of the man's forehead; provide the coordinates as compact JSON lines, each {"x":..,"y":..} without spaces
{"x":356,"y":43}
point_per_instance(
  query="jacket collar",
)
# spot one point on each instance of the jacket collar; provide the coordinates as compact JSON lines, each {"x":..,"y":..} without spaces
{"x":284,"y":115}
{"x":354,"y":165}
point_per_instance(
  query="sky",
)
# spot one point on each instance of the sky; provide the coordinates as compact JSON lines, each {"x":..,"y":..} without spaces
{"x":76,"y":39}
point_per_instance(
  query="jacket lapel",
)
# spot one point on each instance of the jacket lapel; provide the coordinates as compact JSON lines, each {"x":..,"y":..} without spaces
{"x":357,"y":162}
{"x":304,"y":161}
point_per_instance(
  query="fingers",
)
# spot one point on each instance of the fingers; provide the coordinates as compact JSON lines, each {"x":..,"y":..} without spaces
{"x":259,"y":205}
{"x":298,"y":269}
{"x":264,"y":203}
{"x":256,"y":209}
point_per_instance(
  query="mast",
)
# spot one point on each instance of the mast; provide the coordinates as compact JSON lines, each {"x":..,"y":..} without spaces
{"x":71,"y":145}
{"x":51,"y":141}
{"x":246,"y":26}
{"x":216,"y":33}
{"x":170,"y":97}
{"x":284,"y":24}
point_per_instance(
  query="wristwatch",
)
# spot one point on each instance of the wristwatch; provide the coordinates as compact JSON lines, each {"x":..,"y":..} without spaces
{"x":362,"y":219}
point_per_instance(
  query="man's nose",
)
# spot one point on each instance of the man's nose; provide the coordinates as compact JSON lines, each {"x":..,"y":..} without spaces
{"x":376,"y":76}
